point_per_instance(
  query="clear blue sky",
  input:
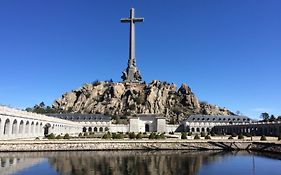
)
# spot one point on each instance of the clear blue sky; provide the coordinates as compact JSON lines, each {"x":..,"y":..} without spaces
{"x":227,"y":51}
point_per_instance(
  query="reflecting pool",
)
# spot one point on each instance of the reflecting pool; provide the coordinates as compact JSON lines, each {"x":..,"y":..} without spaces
{"x":139,"y":163}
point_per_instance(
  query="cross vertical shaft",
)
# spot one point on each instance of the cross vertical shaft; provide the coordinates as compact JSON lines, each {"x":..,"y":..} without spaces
{"x":132,"y":74}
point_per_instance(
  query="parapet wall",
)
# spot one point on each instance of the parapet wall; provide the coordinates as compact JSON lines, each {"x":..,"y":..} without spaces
{"x":136,"y":145}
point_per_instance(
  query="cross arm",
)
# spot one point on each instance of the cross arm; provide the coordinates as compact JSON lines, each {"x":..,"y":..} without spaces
{"x":138,"y":19}
{"x":124,"y":20}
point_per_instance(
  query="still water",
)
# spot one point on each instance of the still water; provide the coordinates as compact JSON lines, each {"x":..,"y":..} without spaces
{"x":140,"y":163}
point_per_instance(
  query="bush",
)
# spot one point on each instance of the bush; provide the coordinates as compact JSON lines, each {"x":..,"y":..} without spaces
{"x":132,"y":135}
{"x":139,"y":135}
{"x":162,"y":135}
{"x":171,"y":133}
{"x":248,"y":135}
{"x":144,"y":133}
{"x":203,"y":134}
{"x":51,"y":136}
{"x":117,"y":135}
{"x":234,"y":134}
{"x":183,"y":135}
{"x":80,"y":134}
{"x":263,"y":138}
{"x":240,"y":136}
{"x":106,"y":136}
{"x":66,"y":136}
{"x":213,"y":133}
{"x":152,"y":135}
{"x":207,"y":137}
{"x":196,"y":137}
{"x":59,"y":137}
{"x":37,"y":138}
{"x":85,"y":134}
{"x":120,"y":136}
{"x":189,"y":134}
{"x":230,"y":138}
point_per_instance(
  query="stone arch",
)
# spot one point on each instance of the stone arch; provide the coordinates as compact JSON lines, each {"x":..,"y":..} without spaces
{"x":101,"y":129}
{"x":84,"y":129}
{"x":208,"y":130}
{"x":197,"y":129}
{"x":192,"y":130}
{"x":203,"y":129}
{"x":15,"y":127}
{"x":21,"y":127}
{"x":47,"y":129}
{"x":40,"y":127}
{"x":27,"y":127}
{"x":7,"y":127}
{"x":32,"y":127}
{"x":95,"y":129}
{"x":146,"y":127}
{"x":90,"y":129}
{"x":106,"y":129}
{"x":36,"y":127}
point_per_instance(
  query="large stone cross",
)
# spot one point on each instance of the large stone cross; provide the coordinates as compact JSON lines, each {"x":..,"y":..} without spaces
{"x":131,"y":74}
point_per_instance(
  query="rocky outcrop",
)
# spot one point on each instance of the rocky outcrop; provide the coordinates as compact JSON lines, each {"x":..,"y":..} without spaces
{"x":124,"y":99}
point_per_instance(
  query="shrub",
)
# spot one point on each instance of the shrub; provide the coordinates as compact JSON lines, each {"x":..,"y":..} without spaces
{"x":234,"y":134}
{"x":183,"y":135}
{"x":230,"y":138}
{"x":171,"y":133}
{"x":132,"y":135}
{"x":189,"y":134}
{"x":120,"y":136}
{"x":139,"y":135}
{"x":144,"y":133}
{"x":196,"y":137}
{"x":162,"y":135}
{"x":59,"y":137}
{"x":248,"y":135}
{"x":213,"y":133}
{"x":240,"y":136}
{"x":85,"y":134}
{"x":51,"y":136}
{"x":152,"y":135}
{"x":117,"y":135}
{"x":207,"y":137}
{"x":203,"y":134}
{"x":66,"y":136}
{"x":37,"y":138}
{"x":91,"y":133}
{"x":114,"y":135}
{"x":80,"y":134}
{"x":263,"y":138}
{"x":106,"y":136}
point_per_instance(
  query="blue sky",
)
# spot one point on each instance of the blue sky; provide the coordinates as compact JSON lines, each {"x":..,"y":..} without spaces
{"x":227,"y":51}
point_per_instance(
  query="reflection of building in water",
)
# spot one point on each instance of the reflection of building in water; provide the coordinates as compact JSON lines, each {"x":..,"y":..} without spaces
{"x":134,"y":162}
{"x":12,"y":165}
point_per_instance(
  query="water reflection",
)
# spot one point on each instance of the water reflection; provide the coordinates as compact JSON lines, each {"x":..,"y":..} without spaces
{"x":117,"y":162}
{"x":134,"y":162}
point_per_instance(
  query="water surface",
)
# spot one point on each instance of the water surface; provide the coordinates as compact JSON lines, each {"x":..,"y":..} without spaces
{"x":140,"y":163}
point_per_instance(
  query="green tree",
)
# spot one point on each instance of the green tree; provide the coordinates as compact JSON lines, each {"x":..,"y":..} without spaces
{"x":265,"y":116}
{"x":272,"y":118}
{"x":183,"y":135}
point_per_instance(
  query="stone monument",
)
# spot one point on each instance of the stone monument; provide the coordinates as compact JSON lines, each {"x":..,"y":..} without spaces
{"x":132,"y":74}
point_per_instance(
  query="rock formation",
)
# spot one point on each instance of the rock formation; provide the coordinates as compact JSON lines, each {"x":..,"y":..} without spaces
{"x":125,"y":99}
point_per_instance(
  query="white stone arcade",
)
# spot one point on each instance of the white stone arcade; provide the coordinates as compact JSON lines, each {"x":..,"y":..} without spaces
{"x":18,"y":124}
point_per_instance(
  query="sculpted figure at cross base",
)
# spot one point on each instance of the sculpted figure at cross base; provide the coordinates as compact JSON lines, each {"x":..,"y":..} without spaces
{"x":131,"y":74}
